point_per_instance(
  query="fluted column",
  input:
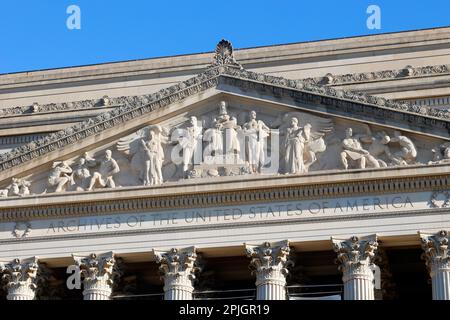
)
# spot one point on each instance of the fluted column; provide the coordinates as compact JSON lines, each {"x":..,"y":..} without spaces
{"x":355,"y":256}
{"x":436,"y":255}
{"x":97,"y":272}
{"x":269,"y":262}
{"x":21,"y":278}
{"x":178,"y":267}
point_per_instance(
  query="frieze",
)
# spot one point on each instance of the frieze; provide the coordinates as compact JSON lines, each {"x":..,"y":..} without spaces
{"x":230,"y":214}
{"x":136,"y":106}
{"x":387,"y":186}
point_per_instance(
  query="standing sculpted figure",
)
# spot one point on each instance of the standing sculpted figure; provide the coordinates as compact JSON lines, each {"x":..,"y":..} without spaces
{"x":257,"y":133}
{"x":153,"y":157}
{"x":310,"y":131}
{"x":215,"y":144}
{"x":189,"y":142}
{"x":295,"y":147}
{"x":108,"y":168}
{"x":59,"y":176}
{"x":352,"y":149}
{"x":407,"y":153}
{"x":227,"y":125}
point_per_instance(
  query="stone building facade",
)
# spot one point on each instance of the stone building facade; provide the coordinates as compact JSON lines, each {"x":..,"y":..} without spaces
{"x":314,"y":170}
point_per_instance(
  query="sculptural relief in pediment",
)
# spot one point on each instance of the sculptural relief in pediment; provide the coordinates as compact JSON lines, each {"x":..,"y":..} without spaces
{"x":231,"y":139}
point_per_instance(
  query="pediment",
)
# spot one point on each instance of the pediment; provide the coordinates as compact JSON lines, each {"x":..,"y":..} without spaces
{"x":221,"y":99}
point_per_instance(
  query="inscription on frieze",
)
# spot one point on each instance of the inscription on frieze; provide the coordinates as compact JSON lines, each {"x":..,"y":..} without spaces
{"x":234,"y":214}
{"x":257,"y":213}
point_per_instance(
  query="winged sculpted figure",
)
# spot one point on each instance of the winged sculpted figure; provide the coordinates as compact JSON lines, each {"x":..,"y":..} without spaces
{"x":301,"y":140}
{"x":145,"y":150}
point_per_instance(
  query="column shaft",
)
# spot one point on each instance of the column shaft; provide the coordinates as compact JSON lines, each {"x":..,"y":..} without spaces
{"x":23,"y":291}
{"x":359,"y":289}
{"x":440,"y":282}
{"x":178,"y":288}
{"x":98,"y":290}
{"x":270,"y":291}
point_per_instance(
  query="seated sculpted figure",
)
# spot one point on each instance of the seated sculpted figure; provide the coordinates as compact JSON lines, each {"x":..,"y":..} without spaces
{"x":407,"y":153}
{"x":314,"y":144}
{"x":352,"y":149}
{"x":59,"y":176}
{"x":108,"y":168}
{"x":379,"y":146}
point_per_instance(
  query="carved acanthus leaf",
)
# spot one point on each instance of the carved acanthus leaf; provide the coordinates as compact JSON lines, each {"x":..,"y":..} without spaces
{"x":269,"y":256}
{"x":96,"y":267}
{"x":436,"y":250}
{"x":355,"y":252}
{"x":177,"y":262}
{"x":20,"y":273}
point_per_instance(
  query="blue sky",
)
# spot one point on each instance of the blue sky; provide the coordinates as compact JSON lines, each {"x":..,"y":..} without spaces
{"x":34,"y":34}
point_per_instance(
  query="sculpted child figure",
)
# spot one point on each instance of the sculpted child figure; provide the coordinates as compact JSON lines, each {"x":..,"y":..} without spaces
{"x":59,"y":176}
{"x":108,"y":168}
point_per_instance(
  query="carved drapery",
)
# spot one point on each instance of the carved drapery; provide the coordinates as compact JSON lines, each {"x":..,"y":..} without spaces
{"x":270,"y":262}
{"x":436,"y":255}
{"x":355,"y":257}
{"x":98,"y":273}
{"x":178,"y":267}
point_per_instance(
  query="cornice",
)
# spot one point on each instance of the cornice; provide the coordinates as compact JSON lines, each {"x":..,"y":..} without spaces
{"x":11,"y":140}
{"x":255,"y":56}
{"x":346,"y":101}
{"x":406,"y":73}
{"x":327,"y":80}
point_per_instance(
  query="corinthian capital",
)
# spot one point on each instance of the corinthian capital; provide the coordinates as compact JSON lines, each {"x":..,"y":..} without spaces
{"x":269,"y":257}
{"x":435,"y":247}
{"x":21,"y":278}
{"x":177,"y":262}
{"x":96,"y":269}
{"x":355,"y":252}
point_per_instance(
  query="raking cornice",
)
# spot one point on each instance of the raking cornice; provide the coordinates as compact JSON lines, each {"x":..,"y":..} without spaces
{"x":137,"y":106}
